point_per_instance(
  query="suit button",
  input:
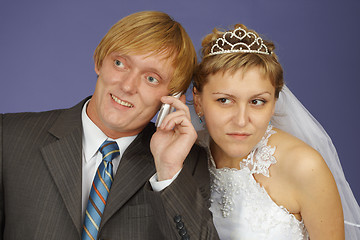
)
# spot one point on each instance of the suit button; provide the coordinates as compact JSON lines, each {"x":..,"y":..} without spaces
{"x":180,"y":225}
{"x":177,"y":218}
{"x":186,"y":237}
{"x":182,"y":232}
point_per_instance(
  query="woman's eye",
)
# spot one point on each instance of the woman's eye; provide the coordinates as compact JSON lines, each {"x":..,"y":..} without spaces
{"x":152,"y":80}
{"x":118,"y":63}
{"x":223,"y":100}
{"x":257,"y":102}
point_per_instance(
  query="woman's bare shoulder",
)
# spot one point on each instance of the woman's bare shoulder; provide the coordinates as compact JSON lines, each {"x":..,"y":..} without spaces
{"x":297,"y":158}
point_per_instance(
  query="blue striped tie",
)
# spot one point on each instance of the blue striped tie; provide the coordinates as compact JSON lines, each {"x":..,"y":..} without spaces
{"x":99,"y":191}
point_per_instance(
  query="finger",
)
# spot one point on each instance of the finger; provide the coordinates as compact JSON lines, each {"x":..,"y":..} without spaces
{"x":177,"y":104}
{"x":168,"y":118}
{"x":179,"y":123}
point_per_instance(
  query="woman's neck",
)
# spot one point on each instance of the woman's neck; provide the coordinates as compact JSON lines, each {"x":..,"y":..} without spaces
{"x":221,"y":159}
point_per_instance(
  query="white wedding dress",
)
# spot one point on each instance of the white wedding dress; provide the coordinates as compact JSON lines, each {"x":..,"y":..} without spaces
{"x":241,"y":208}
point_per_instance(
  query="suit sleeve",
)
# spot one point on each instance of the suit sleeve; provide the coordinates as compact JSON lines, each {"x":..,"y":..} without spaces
{"x":2,"y":217}
{"x":182,"y":209}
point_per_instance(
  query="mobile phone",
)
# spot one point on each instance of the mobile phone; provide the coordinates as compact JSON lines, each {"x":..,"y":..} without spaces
{"x":165,"y":110}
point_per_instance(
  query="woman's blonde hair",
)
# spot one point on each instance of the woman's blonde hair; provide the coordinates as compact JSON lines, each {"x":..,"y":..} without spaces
{"x":234,"y":61}
{"x":156,"y":33}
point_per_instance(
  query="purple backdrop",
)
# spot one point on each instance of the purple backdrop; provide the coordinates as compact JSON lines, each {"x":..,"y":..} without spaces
{"x":46,"y":52}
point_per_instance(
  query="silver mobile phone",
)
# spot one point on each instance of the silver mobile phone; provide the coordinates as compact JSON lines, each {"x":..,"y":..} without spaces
{"x":165,"y":110}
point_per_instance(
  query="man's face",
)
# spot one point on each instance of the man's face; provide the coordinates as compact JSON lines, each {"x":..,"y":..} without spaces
{"x":128,"y":92}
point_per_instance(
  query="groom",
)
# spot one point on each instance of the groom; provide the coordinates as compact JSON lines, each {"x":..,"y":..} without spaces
{"x":49,"y":161}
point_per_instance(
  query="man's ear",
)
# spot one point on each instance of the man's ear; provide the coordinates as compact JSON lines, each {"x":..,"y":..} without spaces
{"x":97,"y":69}
{"x":197,"y":100}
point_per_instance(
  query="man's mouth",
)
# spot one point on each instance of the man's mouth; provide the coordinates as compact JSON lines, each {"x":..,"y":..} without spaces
{"x":121,"y":102}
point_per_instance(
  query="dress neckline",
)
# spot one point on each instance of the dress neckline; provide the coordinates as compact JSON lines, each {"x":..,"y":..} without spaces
{"x":258,"y":160}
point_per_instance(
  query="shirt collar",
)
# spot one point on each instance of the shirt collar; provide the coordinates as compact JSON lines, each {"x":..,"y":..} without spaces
{"x":93,"y":137}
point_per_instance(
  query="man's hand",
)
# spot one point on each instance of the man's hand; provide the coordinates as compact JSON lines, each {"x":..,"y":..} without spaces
{"x":172,"y":141}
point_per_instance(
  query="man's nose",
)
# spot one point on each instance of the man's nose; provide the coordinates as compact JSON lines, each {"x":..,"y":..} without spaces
{"x":129,"y":82}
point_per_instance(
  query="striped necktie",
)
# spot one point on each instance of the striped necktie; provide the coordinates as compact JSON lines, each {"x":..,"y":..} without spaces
{"x":99,"y":191}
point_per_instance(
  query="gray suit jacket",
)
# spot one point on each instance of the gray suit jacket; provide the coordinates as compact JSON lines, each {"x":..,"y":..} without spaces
{"x":40,"y":185}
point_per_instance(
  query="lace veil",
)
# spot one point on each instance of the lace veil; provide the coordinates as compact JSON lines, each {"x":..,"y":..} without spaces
{"x":292,"y":117}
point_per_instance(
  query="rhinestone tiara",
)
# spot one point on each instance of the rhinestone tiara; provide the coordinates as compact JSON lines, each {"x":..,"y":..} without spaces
{"x":222,"y":45}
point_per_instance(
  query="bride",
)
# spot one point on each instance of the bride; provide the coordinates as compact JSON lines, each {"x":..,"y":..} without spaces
{"x":266,"y":183}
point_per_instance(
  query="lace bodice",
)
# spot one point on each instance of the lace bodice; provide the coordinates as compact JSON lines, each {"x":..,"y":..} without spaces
{"x":241,"y":207}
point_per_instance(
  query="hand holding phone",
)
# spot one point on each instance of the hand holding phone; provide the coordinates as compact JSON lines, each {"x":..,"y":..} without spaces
{"x":171,"y":143}
{"x":165,"y":110}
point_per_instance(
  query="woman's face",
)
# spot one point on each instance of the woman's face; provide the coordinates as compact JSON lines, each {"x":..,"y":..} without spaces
{"x":237,"y":108}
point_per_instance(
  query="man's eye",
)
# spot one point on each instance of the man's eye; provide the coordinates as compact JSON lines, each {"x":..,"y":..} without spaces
{"x":152,"y":80}
{"x":118,"y":63}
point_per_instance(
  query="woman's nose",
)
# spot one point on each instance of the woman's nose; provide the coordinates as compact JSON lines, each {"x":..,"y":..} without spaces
{"x":241,"y":116}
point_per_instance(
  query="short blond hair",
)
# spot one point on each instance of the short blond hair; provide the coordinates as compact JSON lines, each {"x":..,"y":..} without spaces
{"x":152,"y":32}
{"x":212,"y":64}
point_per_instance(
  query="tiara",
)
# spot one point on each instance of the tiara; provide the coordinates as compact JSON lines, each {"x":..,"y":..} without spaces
{"x":224,"y":46}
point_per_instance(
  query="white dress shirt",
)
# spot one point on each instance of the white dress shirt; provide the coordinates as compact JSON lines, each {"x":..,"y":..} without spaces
{"x":92,"y":139}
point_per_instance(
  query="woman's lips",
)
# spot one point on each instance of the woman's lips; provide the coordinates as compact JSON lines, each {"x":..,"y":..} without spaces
{"x":240,"y":136}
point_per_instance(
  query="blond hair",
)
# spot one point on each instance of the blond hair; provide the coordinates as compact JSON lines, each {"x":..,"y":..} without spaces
{"x":156,"y":33}
{"x":212,"y":64}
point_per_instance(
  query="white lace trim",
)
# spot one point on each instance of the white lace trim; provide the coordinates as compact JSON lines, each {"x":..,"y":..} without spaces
{"x":228,"y":185}
{"x":263,"y":155}
{"x":259,"y":159}
{"x":231,"y":185}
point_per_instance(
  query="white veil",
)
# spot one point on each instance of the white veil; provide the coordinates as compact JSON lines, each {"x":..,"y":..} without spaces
{"x":292,"y":117}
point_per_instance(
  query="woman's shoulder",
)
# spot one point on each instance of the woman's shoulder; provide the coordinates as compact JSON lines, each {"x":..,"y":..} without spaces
{"x":295,"y":157}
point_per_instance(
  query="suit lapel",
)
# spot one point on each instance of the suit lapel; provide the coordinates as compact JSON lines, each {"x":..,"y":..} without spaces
{"x":135,"y":169}
{"x":64,"y":160}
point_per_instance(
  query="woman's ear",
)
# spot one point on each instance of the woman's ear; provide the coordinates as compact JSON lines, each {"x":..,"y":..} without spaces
{"x":197,"y":100}
{"x":273,"y":110}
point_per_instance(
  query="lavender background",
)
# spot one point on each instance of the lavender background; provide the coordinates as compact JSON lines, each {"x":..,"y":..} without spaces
{"x":46,"y":52}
